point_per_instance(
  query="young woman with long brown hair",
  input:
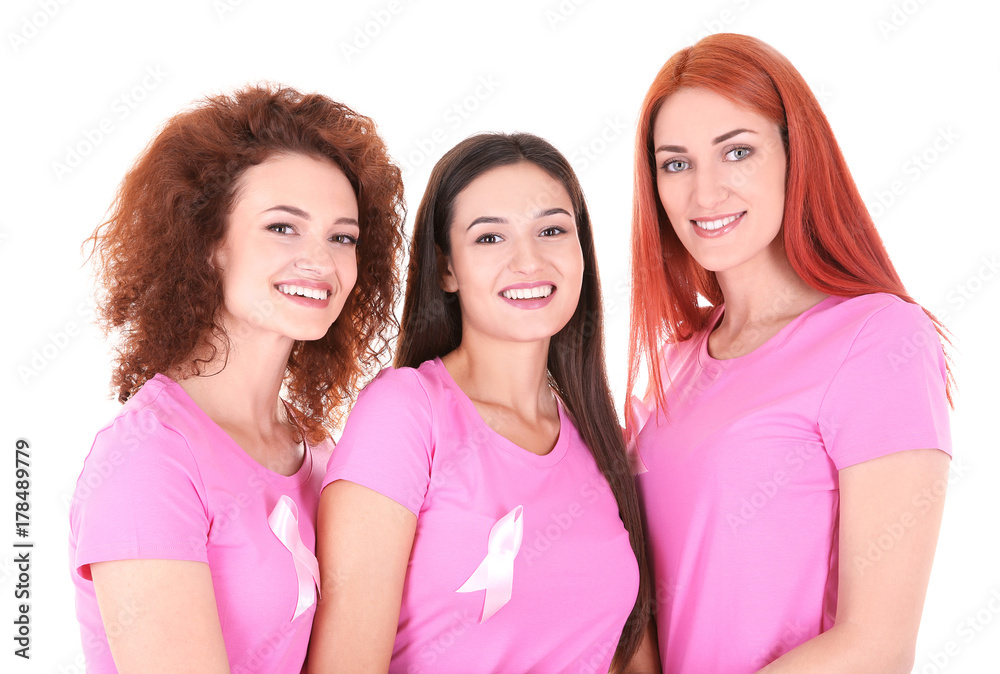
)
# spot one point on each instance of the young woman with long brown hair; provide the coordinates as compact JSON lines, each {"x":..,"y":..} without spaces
{"x":479,"y":513}
{"x":798,"y":400}
{"x":249,"y":270}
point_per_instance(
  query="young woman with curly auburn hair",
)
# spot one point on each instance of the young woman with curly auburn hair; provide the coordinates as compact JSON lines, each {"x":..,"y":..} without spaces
{"x":479,"y":513}
{"x":249,"y":269}
{"x":798,"y":400}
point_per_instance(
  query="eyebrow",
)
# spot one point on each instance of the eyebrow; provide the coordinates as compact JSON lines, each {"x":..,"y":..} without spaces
{"x":299,"y":213}
{"x":494,"y":220}
{"x":715,"y":141}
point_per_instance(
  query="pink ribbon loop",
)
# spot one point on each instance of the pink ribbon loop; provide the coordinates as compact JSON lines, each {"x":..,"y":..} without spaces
{"x":284,"y":522}
{"x":495,"y":573}
{"x":640,"y":415}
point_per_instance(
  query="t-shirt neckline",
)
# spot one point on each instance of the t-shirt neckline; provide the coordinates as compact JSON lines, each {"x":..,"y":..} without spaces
{"x":554,"y":456}
{"x":705,"y":359}
{"x":299,"y":477}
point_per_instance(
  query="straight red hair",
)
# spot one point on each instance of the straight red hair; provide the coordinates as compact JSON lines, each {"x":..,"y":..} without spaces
{"x":829,"y":236}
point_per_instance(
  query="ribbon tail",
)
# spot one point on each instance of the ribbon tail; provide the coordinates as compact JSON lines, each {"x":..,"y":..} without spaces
{"x":284,"y":522}
{"x":477,"y":581}
{"x":499,"y":587}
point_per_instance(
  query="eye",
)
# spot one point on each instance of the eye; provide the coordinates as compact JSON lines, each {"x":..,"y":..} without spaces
{"x":675,"y":166}
{"x":739,"y":152}
{"x":345,"y":239}
{"x":280,"y":228}
{"x":489,"y":238}
{"x":552,"y":231}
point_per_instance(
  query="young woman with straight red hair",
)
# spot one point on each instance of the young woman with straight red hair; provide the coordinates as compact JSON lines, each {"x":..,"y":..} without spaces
{"x":798,"y":398}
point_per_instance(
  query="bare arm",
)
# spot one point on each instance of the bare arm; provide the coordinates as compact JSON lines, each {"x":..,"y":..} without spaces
{"x":160,"y":616}
{"x":890,"y":514}
{"x":363,"y":545}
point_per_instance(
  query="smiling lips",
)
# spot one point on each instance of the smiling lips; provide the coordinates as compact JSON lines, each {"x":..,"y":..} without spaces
{"x":718,"y":226}
{"x":303,"y":291}
{"x":528,"y":295}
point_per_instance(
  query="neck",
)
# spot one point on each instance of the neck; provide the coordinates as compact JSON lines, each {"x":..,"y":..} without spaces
{"x":511,"y":375}
{"x":764,"y":290}
{"x":243,"y":385}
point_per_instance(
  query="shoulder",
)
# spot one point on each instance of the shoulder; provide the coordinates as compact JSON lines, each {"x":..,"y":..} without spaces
{"x":140,"y":464}
{"x":419,"y":386}
{"x":150,"y":419}
{"x":879,"y":325}
{"x":154,"y":436}
{"x":397,"y":398}
{"x":882,"y":311}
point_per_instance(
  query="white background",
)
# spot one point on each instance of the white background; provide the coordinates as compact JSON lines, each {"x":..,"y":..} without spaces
{"x":894,"y":77}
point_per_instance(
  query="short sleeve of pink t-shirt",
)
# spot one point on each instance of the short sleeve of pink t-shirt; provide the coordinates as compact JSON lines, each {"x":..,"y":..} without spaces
{"x":741,"y":493}
{"x":887,"y":393}
{"x":416,"y":438}
{"x":387,"y":442}
{"x":163,"y":481}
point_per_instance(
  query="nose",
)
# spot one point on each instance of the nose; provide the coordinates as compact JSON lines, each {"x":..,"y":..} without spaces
{"x":710,"y":186}
{"x":315,"y":257}
{"x":525,"y":257}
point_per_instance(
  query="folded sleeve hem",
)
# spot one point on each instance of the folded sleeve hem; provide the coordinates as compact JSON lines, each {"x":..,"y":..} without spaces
{"x":897,"y":443}
{"x":181,"y":552}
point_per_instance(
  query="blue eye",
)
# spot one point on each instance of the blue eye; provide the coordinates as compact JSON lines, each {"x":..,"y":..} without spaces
{"x":676,"y":166}
{"x":739,"y":152}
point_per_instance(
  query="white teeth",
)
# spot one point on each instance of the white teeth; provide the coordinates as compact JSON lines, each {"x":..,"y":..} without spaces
{"x":712,"y":225}
{"x":313,"y":293}
{"x":528,"y":293}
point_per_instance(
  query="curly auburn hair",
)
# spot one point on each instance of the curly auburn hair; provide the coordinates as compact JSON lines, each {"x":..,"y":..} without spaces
{"x":162,"y":294}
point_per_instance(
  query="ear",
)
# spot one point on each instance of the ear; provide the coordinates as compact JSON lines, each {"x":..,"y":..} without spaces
{"x":446,"y":275}
{"x":217,"y":254}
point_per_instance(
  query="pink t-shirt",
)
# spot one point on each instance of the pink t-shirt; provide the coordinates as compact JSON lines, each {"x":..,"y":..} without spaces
{"x":415,"y":437}
{"x":163,"y":481}
{"x":741,"y":495}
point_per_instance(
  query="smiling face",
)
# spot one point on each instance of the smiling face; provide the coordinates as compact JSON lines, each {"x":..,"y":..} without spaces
{"x":515,"y":261}
{"x":720,"y":174}
{"x":288,"y":258}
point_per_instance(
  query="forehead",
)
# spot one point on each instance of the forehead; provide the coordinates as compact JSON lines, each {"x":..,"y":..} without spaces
{"x":291,"y":176}
{"x":511,"y":189}
{"x":698,"y":113}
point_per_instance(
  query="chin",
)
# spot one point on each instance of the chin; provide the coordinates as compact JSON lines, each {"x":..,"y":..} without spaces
{"x":309,"y":335}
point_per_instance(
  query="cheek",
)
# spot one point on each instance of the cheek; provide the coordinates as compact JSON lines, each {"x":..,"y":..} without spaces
{"x":774,"y":182}
{"x":668,"y":196}
{"x":772,"y":194}
{"x":579,"y":264}
{"x":347,"y":270}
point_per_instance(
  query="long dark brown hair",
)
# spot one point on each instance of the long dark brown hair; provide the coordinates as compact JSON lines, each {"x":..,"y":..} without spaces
{"x":163,"y":296}
{"x":432,"y":325}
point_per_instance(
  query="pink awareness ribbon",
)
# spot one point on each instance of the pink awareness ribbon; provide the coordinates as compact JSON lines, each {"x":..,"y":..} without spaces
{"x":284,"y":522}
{"x":495,"y":573}
{"x":640,"y":415}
